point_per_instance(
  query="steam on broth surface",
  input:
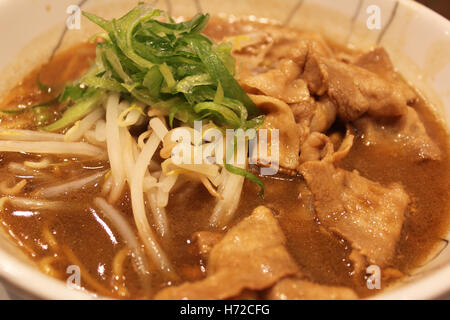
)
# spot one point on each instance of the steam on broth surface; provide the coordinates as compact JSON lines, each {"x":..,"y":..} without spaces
{"x":366,"y":149}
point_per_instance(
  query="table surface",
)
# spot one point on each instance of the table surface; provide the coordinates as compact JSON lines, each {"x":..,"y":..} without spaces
{"x":441,"y":6}
{"x":3,"y":294}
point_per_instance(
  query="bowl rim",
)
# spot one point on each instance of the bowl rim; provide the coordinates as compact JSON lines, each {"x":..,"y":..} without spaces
{"x":31,"y":280}
{"x":430,"y":285}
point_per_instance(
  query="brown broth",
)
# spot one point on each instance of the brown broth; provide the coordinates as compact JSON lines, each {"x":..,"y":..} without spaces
{"x":322,"y":258}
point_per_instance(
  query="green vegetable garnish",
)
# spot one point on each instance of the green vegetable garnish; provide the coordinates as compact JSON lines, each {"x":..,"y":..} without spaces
{"x":14,"y":112}
{"x":155,"y":62}
{"x":82,"y":108}
{"x":148,"y":57}
{"x":219,"y":72}
{"x":241,"y":172}
{"x":41,"y":113}
{"x":72,"y":93}
{"x":248,"y":175}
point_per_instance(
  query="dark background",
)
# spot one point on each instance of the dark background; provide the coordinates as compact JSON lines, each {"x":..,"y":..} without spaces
{"x":440,"y":6}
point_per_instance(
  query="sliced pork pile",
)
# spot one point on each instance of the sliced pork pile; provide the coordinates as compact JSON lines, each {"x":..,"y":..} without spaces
{"x":307,"y":91}
{"x":249,"y":262}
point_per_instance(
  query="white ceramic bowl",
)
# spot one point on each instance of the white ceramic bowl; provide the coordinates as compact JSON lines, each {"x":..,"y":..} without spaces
{"x":417,"y":39}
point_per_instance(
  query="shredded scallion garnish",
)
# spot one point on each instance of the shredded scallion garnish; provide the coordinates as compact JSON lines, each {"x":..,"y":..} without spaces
{"x":148,"y":58}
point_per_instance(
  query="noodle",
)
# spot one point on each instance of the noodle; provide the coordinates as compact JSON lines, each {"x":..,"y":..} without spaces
{"x":126,"y":232}
{"x":130,"y":116}
{"x":25,"y":246}
{"x":165,"y":184}
{"x":159,"y":213}
{"x":230,"y":190}
{"x":71,"y":186}
{"x":45,"y":264}
{"x":85,"y":275}
{"x":114,"y":148}
{"x":53,"y":147}
{"x":149,"y":183}
{"x":28,"y":135}
{"x":127,"y":152}
{"x":207,"y":183}
{"x":14,"y":190}
{"x":118,"y":262}
{"x":43,"y":164}
{"x":78,"y":130}
{"x":107,"y":185}
{"x":159,"y":128}
{"x":34,"y":204}
{"x":49,"y":237}
{"x":22,"y":171}
{"x":137,"y":200}
{"x":91,"y":137}
{"x":158,"y":199}
{"x":141,"y":139}
{"x":118,"y":277}
{"x":3,"y":201}
{"x":100,"y":131}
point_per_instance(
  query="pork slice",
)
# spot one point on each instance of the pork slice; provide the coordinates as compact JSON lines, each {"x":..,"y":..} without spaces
{"x":252,"y":255}
{"x":321,"y":147}
{"x":324,"y":115}
{"x":262,"y":50}
{"x":298,"y":289}
{"x":281,"y":82}
{"x":378,"y":62}
{"x":205,"y":241}
{"x":365,"y":213}
{"x":279,"y":116}
{"x":295,"y":45}
{"x":303,"y":114}
{"x":353,"y":89}
{"x":408,"y":133}
{"x":316,"y":147}
{"x":313,"y":116}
